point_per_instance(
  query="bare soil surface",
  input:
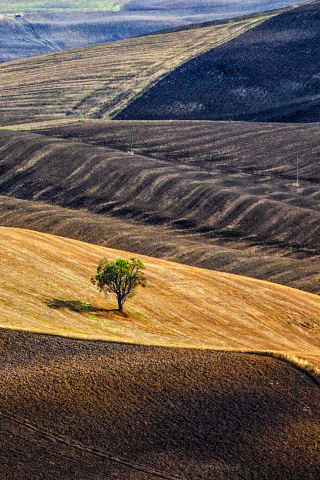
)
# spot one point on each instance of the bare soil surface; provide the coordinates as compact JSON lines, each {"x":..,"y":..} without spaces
{"x":215,"y":195}
{"x":100,"y":80}
{"x":96,"y":410}
{"x":269,"y":73}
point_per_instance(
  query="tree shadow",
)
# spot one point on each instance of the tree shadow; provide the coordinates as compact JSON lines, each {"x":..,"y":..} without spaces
{"x":79,"y":307}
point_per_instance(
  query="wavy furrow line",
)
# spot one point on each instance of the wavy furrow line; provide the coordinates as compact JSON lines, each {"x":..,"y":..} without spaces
{"x":87,"y":449}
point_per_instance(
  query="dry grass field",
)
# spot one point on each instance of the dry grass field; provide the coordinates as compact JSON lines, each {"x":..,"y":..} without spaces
{"x":101,"y":80}
{"x":73,"y":406}
{"x":181,"y":305}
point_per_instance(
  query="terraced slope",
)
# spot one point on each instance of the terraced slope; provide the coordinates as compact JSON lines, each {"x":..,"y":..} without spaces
{"x":298,"y":268}
{"x":88,"y":410}
{"x":246,"y":158}
{"x":233,"y":147}
{"x":101,"y":80}
{"x":259,"y":224}
{"x":269,"y":73}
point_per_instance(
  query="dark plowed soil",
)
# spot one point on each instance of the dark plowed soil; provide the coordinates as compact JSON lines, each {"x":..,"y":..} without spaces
{"x":269,"y":73}
{"x":83,"y":410}
{"x":217,"y":195}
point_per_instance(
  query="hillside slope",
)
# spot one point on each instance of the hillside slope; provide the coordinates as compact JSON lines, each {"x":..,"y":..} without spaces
{"x":152,"y":191}
{"x":53,"y":27}
{"x":101,"y":80}
{"x":95,"y":410}
{"x":181,"y":305}
{"x":235,"y":159}
{"x":280,"y":264}
{"x":269,"y":73}
{"x":36,"y":34}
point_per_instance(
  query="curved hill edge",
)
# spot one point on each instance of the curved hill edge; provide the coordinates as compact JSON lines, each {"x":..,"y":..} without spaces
{"x":276,"y":265}
{"x":100,"y":180}
{"x":114,"y":108}
{"x":257,"y":76}
{"x":185,"y":404}
{"x":181,"y":305}
{"x":99,"y":81}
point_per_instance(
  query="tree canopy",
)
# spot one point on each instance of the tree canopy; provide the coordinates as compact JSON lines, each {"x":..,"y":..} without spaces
{"x":121,"y":277}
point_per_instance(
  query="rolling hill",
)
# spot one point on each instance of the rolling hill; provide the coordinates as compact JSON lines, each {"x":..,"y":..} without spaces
{"x":208,"y":375}
{"x":88,"y":409}
{"x":222,"y":210}
{"x":257,"y":67}
{"x":32,"y":28}
{"x":99,"y":81}
{"x":181,"y":305}
{"x":269,"y":73}
{"x":29,"y":35}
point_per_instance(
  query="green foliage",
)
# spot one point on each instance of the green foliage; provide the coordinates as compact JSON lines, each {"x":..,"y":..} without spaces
{"x":121,"y":277}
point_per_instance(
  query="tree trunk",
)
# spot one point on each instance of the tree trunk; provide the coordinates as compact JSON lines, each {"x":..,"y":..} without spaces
{"x":120,"y":303}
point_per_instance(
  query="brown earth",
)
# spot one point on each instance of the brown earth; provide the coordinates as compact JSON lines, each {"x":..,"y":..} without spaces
{"x":268,"y":73}
{"x":101,"y":80}
{"x":96,"y":410}
{"x":208,"y":194}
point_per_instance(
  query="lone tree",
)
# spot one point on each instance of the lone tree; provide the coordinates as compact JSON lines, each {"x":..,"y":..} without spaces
{"x":121,"y":277}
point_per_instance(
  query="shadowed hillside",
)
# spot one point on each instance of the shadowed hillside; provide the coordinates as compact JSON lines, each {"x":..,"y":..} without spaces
{"x":257,"y":149}
{"x":152,"y":191}
{"x":101,"y":80}
{"x":240,"y":212}
{"x":243,"y":158}
{"x":89,"y":410}
{"x":269,"y":73}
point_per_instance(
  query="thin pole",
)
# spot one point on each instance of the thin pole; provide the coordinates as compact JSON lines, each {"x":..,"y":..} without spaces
{"x":298,"y":170}
{"x":132,"y":135}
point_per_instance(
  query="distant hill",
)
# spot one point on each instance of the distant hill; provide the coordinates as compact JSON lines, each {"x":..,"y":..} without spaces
{"x":101,"y":80}
{"x":257,"y":67}
{"x":29,"y":35}
{"x":270,"y":73}
{"x":30,"y":28}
